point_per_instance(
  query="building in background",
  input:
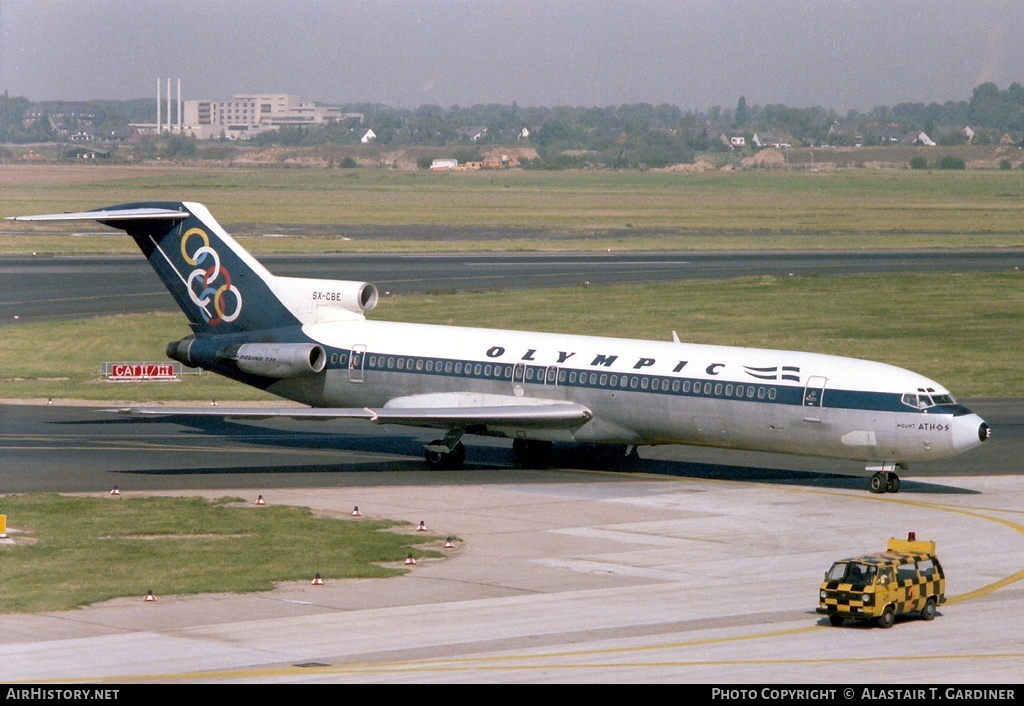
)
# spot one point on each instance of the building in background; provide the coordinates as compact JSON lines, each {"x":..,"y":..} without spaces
{"x":246,"y":115}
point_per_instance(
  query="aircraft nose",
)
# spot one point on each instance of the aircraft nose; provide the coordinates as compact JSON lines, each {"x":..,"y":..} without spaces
{"x":969,"y":430}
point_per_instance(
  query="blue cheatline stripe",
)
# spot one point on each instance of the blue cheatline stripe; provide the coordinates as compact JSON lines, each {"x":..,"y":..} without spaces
{"x":623,"y":382}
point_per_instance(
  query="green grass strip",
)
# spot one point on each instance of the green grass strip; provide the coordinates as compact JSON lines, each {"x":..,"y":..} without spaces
{"x":74,"y":551}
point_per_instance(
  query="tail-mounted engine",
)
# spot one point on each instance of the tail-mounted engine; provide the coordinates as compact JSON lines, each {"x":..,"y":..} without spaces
{"x":276,"y":360}
{"x":268,"y":360}
{"x":315,"y":301}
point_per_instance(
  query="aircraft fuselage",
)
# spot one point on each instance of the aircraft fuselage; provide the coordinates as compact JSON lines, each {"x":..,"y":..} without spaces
{"x":647,"y":392}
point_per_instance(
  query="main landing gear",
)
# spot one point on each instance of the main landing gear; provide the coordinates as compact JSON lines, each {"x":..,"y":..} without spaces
{"x":447,"y":454}
{"x":884,"y":479}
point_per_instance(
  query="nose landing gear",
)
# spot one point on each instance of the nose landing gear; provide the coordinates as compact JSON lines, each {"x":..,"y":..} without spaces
{"x":884,"y":479}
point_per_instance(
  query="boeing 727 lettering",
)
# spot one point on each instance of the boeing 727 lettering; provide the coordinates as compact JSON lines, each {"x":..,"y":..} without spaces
{"x":309,"y":340}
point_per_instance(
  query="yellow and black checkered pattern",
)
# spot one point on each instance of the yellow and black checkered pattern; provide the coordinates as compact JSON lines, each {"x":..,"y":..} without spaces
{"x":912,"y":574}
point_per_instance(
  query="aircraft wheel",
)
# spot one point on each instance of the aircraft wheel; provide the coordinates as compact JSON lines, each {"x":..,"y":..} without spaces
{"x":437,"y":460}
{"x":892,"y":485}
{"x":877,"y":483}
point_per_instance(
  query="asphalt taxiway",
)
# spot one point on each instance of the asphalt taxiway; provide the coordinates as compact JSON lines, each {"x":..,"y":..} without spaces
{"x":99,"y":286}
{"x":181,"y":453}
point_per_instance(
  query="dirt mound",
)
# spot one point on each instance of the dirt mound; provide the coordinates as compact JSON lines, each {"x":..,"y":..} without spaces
{"x":766,"y":158}
{"x":513,"y":153}
{"x":318,"y":156}
{"x":701,"y":165}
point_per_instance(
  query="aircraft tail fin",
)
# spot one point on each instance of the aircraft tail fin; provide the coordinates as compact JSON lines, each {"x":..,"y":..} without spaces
{"x":219,"y":286}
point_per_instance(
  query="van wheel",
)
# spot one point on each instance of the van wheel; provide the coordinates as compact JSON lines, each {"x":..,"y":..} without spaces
{"x":887,"y":618}
{"x":928,"y":612}
{"x":836,"y":620}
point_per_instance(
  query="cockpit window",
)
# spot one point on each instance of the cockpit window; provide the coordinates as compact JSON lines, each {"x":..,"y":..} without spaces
{"x":922,"y":401}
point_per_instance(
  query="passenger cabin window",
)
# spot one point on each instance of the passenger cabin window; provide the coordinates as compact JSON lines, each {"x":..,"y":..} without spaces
{"x":906,"y":572}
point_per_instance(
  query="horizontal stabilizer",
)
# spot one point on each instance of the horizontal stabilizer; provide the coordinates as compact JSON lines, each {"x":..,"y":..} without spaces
{"x":127,"y":214}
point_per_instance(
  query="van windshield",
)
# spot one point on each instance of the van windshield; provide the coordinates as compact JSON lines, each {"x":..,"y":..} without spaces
{"x":852,"y":572}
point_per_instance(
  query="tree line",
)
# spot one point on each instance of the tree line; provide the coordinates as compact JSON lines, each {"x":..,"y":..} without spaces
{"x":629,"y":135}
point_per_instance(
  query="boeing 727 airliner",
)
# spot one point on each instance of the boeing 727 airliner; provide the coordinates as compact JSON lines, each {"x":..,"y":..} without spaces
{"x":309,"y":340}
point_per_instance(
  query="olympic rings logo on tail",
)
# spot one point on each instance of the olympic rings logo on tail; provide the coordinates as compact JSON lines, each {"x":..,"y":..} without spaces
{"x":209,"y":283}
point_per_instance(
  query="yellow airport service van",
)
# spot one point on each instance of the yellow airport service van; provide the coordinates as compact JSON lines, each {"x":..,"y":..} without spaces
{"x":906,"y":578}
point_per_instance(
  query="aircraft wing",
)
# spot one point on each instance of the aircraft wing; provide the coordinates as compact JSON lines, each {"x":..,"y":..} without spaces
{"x":528,"y":414}
{"x":552,"y":415}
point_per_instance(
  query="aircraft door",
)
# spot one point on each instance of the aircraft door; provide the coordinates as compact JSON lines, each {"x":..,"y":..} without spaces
{"x":814,"y":393}
{"x":355,"y":363}
{"x":518,"y":378}
{"x":523,"y":374}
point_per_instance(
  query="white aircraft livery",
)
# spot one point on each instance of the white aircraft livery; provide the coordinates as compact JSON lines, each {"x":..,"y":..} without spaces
{"x":309,"y":340}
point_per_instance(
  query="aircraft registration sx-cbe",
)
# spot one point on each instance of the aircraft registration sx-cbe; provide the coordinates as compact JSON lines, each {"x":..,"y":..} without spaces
{"x":308,"y":340}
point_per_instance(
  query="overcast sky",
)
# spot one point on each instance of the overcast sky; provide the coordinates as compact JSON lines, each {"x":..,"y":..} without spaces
{"x":838,"y":54}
